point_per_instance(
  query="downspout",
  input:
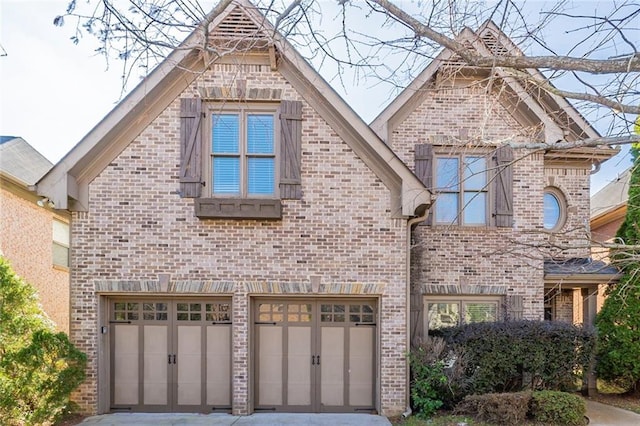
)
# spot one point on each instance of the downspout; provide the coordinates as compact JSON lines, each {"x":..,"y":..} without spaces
{"x":410,"y":224}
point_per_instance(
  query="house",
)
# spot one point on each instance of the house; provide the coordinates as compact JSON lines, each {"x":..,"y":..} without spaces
{"x":33,"y":236}
{"x":244,"y":242}
{"x":608,"y":210}
{"x":609,"y":207}
{"x":239,"y":235}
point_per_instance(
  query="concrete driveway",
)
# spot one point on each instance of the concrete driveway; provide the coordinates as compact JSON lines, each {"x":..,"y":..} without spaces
{"x":265,"y":419}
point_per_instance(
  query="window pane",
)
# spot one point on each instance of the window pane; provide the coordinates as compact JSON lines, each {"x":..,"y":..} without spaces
{"x":475,"y":208}
{"x":226,"y":175}
{"x":260,"y":134}
{"x":444,"y":314}
{"x":447,"y":173}
{"x":60,"y":255}
{"x":551,"y":211}
{"x":61,"y":233}
{"x":447,"y":208}
{"x":260,"y":179}
{"x":225,"y":133}
{"x":475,"y":173}
{"x":480,"y":312}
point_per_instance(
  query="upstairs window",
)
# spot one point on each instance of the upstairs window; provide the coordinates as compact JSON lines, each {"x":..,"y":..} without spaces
{"x":466,"y":192}
{"x":60,"y":250}
{"x":555,"y":211}
{"x":243,"y":154}
{"x":462,"y":190}
{"x":238,"y":159}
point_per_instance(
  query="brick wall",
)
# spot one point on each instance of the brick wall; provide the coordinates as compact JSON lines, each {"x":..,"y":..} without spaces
{"x":138,"y":228}
{"x":26,"y":241}
{"x":483,"y":260}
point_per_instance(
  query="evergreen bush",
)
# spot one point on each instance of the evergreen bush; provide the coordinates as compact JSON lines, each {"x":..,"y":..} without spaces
{"x":557,"y":408}
{"x":522,"y":355}
{"x":39,"y":368}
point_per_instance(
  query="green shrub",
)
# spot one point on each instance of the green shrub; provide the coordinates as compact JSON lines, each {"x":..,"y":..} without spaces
{"x":522,"y":355}
{"x":427,"y":377}
{"x":39,"y":368}
{"x":558,"y":408}
{"x":498,"y":408}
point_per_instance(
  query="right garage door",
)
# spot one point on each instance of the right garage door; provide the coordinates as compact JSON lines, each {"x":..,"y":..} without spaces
{"x":315,"y":355}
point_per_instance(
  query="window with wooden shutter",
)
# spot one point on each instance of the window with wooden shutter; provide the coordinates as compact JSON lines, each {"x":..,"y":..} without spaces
{"x":190,"y":147}
{"x":245,"y":155}
{"x":290,"y":147}
{"x":503,"y":186}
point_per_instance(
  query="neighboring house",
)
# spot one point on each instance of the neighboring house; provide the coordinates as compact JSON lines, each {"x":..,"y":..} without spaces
{"x":608,"y":210}
{"x":33,"y":236}
{"x":242,"y":241}
{"x":490,"y":247}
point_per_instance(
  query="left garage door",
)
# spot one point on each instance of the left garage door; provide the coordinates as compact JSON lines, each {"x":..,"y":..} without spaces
{"x":170,"y":355}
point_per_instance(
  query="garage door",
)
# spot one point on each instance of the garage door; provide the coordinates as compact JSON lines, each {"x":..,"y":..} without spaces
{"x":170,"y":355}
{"x":315,"y":355}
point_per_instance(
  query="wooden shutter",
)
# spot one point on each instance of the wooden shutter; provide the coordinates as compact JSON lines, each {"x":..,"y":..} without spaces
{"x":290,"y":149}
{"x":423,"y":164}
{"x":190,"y":147}
{"x":503,"y":185}
{"x":515,"y":307}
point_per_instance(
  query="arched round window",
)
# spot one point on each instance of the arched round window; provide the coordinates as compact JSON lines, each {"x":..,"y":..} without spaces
{"x":554,"y":209}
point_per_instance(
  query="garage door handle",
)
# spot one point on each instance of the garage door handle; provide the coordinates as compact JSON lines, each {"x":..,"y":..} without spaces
{"x":318,"y":360}
{"x":313,"y":360}
{"x":174,"y":359}
{"x":169,"y":358}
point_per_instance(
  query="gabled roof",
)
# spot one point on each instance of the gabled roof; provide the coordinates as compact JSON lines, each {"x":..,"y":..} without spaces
{"x":611,"y":197}
{"x":21,"y":162}
{"x":67,"y":183}
{"x":529,"y":106}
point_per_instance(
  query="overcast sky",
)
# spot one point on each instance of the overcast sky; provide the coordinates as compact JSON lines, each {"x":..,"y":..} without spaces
{"x":53,"y":92}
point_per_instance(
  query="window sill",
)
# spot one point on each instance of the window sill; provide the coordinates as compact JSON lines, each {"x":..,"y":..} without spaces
{"x":238,"y":208}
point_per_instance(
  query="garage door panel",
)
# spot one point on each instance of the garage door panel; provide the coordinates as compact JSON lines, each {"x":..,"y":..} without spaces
{"x":126,"y":361}
{"x":332,"y":366}
{"x":219,"y":365}
{"x":270,"y":366}
{"x":299,"y":366}
{"x":189,"y":365}
{"x":155,"y":364}
{"x":361,"y":366}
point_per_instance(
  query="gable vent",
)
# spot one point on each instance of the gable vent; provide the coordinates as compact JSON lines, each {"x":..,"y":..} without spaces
{"x":494,"y":46}
{"x":238,"y":30}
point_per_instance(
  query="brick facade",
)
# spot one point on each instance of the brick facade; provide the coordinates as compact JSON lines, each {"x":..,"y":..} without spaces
{"x":26,"y":241}
{"x":138,"y":228}
{"x":477,"y":260}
